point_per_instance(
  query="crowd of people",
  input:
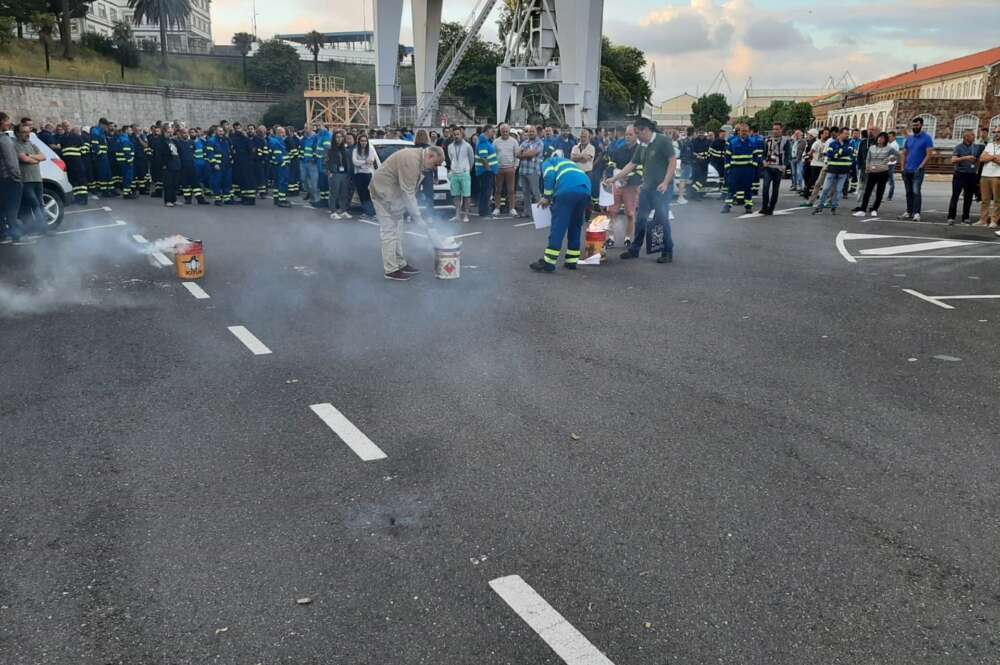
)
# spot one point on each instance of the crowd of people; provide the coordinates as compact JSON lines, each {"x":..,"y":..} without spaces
{"x":500,"y":170}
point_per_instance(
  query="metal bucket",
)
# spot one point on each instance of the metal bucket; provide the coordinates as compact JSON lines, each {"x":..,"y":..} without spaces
{"x":189,"y":259}
{"x":448,"y":262}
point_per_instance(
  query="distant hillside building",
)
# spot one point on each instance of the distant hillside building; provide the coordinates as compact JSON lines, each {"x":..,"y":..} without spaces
{"x":951,"y":97}
{"x":758,"y":99}
{"x":673,"y":113}
{"x":194,"y":36}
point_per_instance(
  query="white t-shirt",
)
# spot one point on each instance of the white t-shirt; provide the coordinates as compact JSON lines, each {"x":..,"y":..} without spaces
{"x":461,"y":157}
{"x":818,"y":152}
{"x":991,"y":169}
{"x":588,"y":164}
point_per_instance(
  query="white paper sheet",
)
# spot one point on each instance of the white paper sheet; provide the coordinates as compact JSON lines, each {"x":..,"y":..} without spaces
{"x":541,"y":216}
{"x":606,"y":199}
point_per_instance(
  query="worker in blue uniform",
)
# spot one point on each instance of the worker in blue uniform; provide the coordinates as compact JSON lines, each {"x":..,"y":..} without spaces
{"x":201,"y":168}
{"x":140,"y":170}
{"x":113,"y":163}
{"x":741,"y":170}
{"x":324,"y":139}
{"x":99,"y":155}
{"x":262,"y":157}
{"x":125,"y":156}
{"x":567,"y":190}
{"x":219,"y":154}
{"x":294,"y":145}
{"x":759,"y":144}
{"x":244,"y":178}
{"x":279,"y":162}
{"x":700,"y":146}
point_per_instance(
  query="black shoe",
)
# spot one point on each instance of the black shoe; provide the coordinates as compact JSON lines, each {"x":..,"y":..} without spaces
{"x":202,"y":201}
{"x":766,"y":212}
{"x":410,"y":270}
{"x":858,"y":209}
{"x":833,"y":211}
{"x":397,"y":276}
{"x":218,"y":202}
{"x":666,"y":258}
{"x":569,"y":266}
{"x":284,"y":204}
{"x":628,"y":255}
{"x":230,"y":202}
{"x":951,"y":222}
{"x":542,"y":266}
{"x":748,"y":209}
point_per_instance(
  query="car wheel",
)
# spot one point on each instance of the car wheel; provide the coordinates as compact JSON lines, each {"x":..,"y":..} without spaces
{"x":54,"y":208}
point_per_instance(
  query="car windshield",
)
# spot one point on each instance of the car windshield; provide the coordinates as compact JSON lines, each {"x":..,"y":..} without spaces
{"x":385,"y":151}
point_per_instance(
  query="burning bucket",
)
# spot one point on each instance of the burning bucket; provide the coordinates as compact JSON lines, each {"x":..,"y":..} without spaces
{"x":447,"y":262}
{"x":189,"y":257}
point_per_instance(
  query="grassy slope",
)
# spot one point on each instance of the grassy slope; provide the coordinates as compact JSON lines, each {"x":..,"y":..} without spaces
{"x":26,"y":58}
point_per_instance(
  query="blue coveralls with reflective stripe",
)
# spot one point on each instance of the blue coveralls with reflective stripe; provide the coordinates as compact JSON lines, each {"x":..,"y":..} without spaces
{"x":741,"y":171}
{"x":568,"y":188}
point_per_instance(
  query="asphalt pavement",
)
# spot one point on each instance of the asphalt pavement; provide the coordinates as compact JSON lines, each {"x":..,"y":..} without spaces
{"x":779,"y":449}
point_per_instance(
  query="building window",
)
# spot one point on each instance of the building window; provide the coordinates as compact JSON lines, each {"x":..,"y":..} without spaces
{"x":994,"y":125}
{"x":102,"y":11}
{"x":962,"y":123}
{"x":113,"y":14}
{"x":930,"y":124}
{"x":880,"y":122}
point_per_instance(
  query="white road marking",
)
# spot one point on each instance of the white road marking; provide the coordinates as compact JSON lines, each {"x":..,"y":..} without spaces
{"x":367,"y":221}
{"x":77,"y":212}
{"x":196,"y":290}
{"x":162,"y":259}
{"x":469,"y":235}
{"x":568,"y":643}
{"x":913,"y":247}
{"x":414,"y":233}
{"x":841,"y":237}
{"x":750,"y":215}
{"x":249,"y":340}
{"x":524,"y":224}
{"x":106,"y":208}
{"x":933,"y":301}
{"x":349,"y":434}
{"x":139,"y":239}
{"x":92,"y":228}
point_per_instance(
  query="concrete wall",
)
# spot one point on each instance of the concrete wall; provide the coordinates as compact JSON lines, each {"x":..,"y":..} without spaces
{"x":82,"y":103}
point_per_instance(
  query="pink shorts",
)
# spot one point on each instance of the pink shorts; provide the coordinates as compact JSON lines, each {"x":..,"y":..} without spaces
{"x":627,"y":196}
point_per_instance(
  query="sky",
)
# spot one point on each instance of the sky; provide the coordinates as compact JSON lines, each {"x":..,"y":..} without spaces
{"x":777,"y":43}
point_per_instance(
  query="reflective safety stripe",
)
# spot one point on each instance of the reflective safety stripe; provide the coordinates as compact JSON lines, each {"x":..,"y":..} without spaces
{"x":572,"y":252}
{"x":549,"y":259}
{"x":551,"y":252}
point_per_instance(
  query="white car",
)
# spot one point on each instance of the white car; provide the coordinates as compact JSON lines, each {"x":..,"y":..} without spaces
{"x":56,"y":190}
{"x":385,"y":147}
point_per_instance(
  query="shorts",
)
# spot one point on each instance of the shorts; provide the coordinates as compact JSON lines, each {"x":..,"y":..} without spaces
{"x":461,"y":184}
{"x":685,"y":171}
{"x":627,"y":196}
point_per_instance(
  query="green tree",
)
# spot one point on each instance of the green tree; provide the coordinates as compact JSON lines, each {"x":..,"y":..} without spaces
{"x":475,"y":79}
{"x":243,"y":41}
{"x":275,"y":66}
{"x":125,"y":50}
{"x":290,"y":111}
{"x":615,"y":98}
{"x":315,"y":43}
{"x":7,"y":27}
{"x":21,"y":12}
{"x":710,"y":107}
{"x":793,"y":115}
{"x":626,"y":65}
{"x":44,"y":25}
{"x":164,"y":13}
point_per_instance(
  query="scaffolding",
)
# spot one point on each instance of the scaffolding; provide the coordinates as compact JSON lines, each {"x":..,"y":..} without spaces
{"x":330,"y":103}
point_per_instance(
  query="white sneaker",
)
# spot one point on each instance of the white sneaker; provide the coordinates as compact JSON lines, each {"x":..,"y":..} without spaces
{"x":905,"y":215}
{"x":496,"y":212}
{"x":346,"y":215}
{"x":916,"y":217}
{"x":993,"y":225}
{"x":454,"y":219}
{"x":980,"y":223}
{"x":671,"y":215}
{"x":859,"y":213}
{"x":874,"y":213}
{"x":681,"y":201}
{"x":465,"y":220}
{"x":334,"y":215}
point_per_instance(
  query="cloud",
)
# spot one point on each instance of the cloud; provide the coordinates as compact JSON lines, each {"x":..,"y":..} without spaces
{"x":769,"y":35}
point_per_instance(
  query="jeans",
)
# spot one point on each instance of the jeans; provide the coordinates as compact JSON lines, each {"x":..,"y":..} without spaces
{"x":964,"y":184}
{"x":772,"y":183}
{"x":486,"y":181}
{"x":310,"y":178}
{"x":10,"y":205}
{"x":339,"y":188}
{"x":31,"y":201}
{"x":832,"y":188}
{"x":875,"y":181}
{"x":797,"y":177}
{"x":913,"y":181}
{"x":652,"y":200}
{"x":531,"y":191}
{"x":361,"y":182}
{"x":892,"y":180}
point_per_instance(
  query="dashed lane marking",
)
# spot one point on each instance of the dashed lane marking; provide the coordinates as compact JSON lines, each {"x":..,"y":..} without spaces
{"x":77,"y":212}
{"x":161,"y":259}
{"x":196,"y":290}
{"x":568,"y":643}
{"x":93,"y":228}
{"x":355,"y":439}
{"x":249,"y":340}
{"x":524,"y":224}
{"x":139,"y":239}
{"x":913,"y":247}
{"x":467,"y":235}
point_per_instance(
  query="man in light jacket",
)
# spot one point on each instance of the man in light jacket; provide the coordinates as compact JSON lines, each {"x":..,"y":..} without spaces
{"x":394,"y":192}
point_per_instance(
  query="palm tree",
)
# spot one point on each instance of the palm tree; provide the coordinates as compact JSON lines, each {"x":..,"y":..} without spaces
{"x":315,"y":42}
{"x":243,"y":41}
{"x":163,"y":13}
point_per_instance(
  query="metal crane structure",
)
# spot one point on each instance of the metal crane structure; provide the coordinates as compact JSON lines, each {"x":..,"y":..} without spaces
{"x":556,"y":42}
{"x":534,"y":54}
